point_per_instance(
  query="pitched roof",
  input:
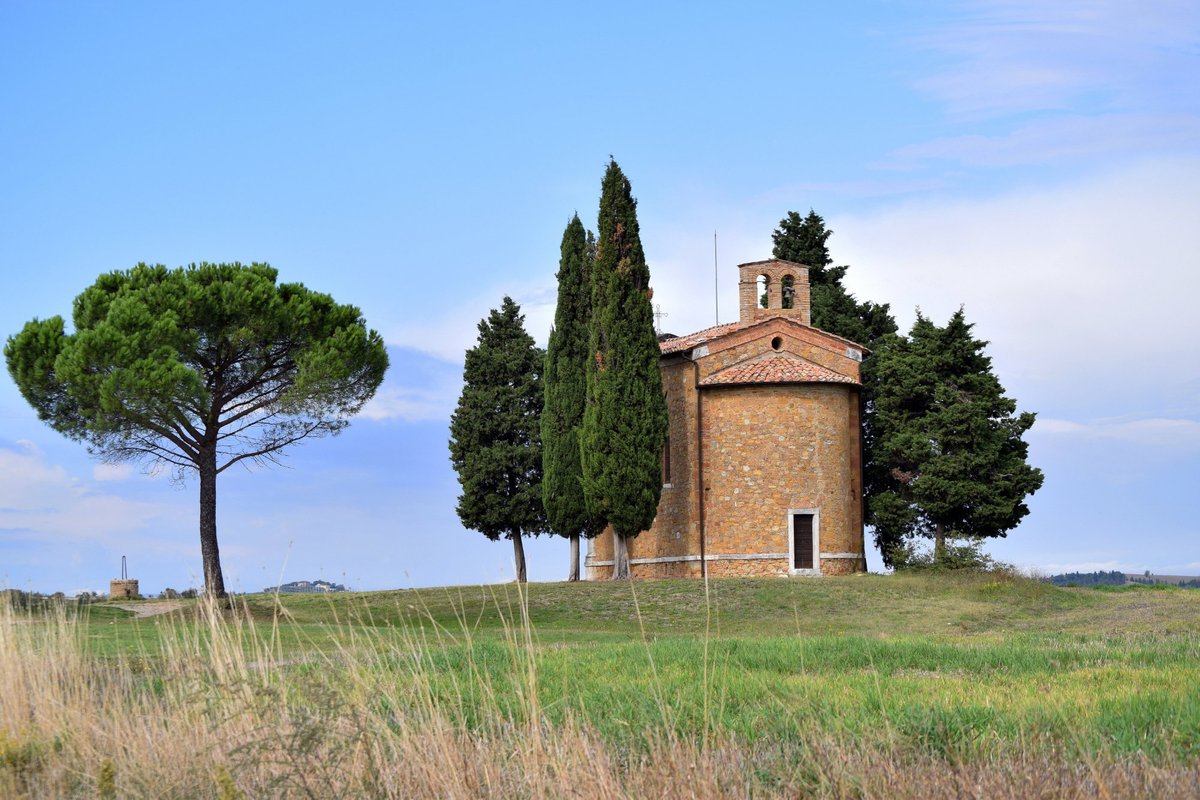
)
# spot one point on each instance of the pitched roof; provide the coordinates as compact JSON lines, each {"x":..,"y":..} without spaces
{"x":681,"y":343}
{"x":775,"y":368}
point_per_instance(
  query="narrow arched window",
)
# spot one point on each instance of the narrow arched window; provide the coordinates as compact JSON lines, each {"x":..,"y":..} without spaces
{"x":788,"y":289}
{"x":764,"y":283}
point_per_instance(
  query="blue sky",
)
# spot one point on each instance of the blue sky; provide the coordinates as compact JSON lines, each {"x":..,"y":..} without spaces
{"x":1036,"y":162}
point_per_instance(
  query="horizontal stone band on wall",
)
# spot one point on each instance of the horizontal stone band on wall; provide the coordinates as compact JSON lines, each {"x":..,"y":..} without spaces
{"x":713,"y":557}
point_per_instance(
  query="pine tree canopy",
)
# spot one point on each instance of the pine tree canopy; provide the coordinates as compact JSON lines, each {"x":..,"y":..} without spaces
{"x":566,"y":388}
{"x":198,"y":369}
{"x":495,"y":430}
{"x":947,"y":438}
{"x":625,"y":422}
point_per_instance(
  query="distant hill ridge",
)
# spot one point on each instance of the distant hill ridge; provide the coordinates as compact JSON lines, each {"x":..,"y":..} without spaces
{"x":307,"y":587}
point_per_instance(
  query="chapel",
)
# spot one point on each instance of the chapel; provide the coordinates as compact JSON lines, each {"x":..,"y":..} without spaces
{"x":762,"y":471}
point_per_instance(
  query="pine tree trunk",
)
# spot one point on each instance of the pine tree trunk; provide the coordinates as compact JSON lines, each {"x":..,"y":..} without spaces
{"x":574,"y":574}
{"x":214,"y":580}
{"x":519,"y":556}
{"x":939,"y":544}
{"x":620,"y":557}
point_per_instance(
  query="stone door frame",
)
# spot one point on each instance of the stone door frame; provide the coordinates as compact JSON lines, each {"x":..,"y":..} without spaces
{"x":791,"y":538}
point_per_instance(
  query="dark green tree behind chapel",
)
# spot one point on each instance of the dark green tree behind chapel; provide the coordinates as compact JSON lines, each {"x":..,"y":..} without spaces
{"x":805,"y":240}
{"x":949,"y":444}
{"x":625,"y":420}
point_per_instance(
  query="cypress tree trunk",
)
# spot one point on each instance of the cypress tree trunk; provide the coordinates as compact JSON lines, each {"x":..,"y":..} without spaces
{"x":939,"y":544}
{"x":519,"y":556}
{"x":574,"y":575}
{"x":214,"y":581}
{"x":620,"y":556}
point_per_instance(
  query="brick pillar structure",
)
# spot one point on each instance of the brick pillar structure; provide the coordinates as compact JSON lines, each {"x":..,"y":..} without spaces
{"x":775,"y":271}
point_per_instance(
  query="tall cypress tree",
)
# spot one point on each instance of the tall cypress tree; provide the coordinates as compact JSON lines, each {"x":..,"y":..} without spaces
{"x":566,"y":394}
{"x":625,"y":422}
{"x":949,"y":441}
{"x":495,"y":433}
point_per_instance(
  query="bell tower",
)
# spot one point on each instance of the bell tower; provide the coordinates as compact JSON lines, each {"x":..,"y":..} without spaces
{"x":785,"y":285}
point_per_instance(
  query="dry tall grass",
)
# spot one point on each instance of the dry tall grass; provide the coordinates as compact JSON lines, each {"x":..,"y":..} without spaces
{"x":220,"y":712}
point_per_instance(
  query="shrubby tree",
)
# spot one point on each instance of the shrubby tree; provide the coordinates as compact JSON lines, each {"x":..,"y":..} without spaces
{"x":566,"y":394}
{"x":198,"y":369}
{"x":625,"y":420}
{"x":948,"y":442}
{"x":495,"y":433}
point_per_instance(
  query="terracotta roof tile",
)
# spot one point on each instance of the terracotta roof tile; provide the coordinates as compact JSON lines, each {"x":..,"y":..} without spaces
{"x":775,"y":368}
{"x":681,"y":343}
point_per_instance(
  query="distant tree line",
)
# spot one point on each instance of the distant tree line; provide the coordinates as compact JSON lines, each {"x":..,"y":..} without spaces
{"x":1111,"y":578}
{"x":1115,"y":578}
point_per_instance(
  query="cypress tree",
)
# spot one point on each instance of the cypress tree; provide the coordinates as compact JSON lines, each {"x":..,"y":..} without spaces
{"x":949,"y":441}
{"x":495,"y":433}
{"x":625,"y":422}
{"x":566,"y":394}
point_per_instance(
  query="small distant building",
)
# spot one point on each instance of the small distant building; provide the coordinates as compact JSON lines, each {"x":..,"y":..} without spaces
{"x":762,"y":472}
{"x":306,"y":587}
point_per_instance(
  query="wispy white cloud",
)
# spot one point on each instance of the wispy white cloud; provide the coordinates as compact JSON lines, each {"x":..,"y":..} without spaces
{"x":1015,"y":56}
{"x":38,"y":499}
{"x":111,"y":472}
{"x":447,"y":328}
{"x":1056,"y":139}
{"x":411,"y":404}
{"x":1172,"y":434}
{"x":1085,"y":288}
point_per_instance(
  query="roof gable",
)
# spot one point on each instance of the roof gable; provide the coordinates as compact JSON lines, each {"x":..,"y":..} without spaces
{"x":681,"y":344}
{"x":775,"y":368}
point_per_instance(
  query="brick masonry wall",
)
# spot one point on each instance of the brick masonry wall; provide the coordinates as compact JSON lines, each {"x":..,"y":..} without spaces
{"x":757,"y":568}
{"x":768,"y":449}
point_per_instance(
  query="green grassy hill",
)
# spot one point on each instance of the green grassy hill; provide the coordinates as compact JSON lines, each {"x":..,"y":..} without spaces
{"x":831,"y":687}
{"x":866,"y":605}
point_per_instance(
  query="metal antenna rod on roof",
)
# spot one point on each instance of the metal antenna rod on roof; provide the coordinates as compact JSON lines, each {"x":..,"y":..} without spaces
{"x":716,"y":286}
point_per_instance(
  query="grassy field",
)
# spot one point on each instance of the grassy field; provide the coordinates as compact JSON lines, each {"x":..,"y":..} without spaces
{"x":869,"y":686}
